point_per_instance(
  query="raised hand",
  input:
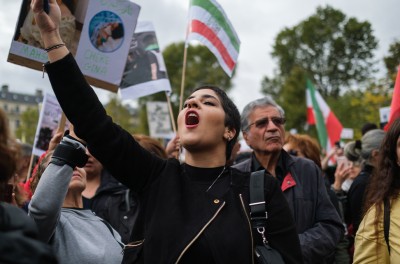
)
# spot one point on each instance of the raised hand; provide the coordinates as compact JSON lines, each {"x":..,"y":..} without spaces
{"x":173,"y":148}
{"x":341,"y":174}
{"x":55,"y":140}
{"x":48,"y":23}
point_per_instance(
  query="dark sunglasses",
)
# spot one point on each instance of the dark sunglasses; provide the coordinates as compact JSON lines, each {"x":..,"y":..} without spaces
{"x":278,"y":121}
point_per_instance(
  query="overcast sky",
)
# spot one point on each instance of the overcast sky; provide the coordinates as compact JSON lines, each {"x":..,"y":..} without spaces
{"x":257,"y":23}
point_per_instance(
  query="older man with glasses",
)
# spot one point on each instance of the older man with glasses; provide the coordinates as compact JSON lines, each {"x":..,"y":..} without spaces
{"x":318,"y":223}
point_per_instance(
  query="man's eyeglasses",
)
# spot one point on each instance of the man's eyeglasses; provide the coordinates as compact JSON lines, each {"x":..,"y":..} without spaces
{"x":278,"y":121}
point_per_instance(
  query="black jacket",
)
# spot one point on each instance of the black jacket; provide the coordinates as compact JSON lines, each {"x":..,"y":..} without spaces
{"x":116,"y":204}
{"x":355,"y":197}
{"x":174,"y":213}
{"x":19,"y":239}
{"x":318,"y":223}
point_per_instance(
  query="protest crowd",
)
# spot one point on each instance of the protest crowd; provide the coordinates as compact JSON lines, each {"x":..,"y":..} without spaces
{"x":102,"y":195}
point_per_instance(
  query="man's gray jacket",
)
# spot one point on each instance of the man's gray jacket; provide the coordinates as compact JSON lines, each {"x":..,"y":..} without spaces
{"x":318,"y":223}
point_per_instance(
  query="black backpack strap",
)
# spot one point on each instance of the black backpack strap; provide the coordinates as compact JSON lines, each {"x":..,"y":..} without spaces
{"x":386,"y":221}
{"x":258,"y":213}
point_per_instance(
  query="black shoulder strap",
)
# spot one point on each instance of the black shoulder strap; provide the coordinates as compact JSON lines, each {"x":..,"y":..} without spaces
{"x":258,"y":213}
{"x":386,"y":221}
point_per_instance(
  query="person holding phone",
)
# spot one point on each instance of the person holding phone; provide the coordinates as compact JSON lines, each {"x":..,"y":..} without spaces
{"x":370,"y":144}
{"x":29,"y":32}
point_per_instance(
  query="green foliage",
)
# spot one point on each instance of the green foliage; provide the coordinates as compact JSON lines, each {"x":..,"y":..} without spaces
{"x":353,"y":108}
{"x":392,"y":61}
{"x":292,"y":98}
{"x":27,"y":129}
{"x":201,"y":68}
{"x":336,"y":52}
{"x":272,"y":86}
{"x":121,"y":115}
{"x":357,"y":107}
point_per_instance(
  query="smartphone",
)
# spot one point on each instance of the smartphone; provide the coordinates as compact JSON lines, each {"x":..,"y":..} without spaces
{"x":46,"y":6}
{"x":6,"y":196}
{"x":343,"y":160}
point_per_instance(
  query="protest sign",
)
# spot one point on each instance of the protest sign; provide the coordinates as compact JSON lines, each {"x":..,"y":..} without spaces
{"x":145,"y":72}
{"x":49,"y":119}
{"x":97,"y":32}
{"x":159,"y":120}
{"x":347,"y":133}
{"x":384,"y":113}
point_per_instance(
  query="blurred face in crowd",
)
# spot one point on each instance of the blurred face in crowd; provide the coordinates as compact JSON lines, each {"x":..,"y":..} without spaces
{"x":93,"y":167}
{"x":78,"y":180}
{"x":266,"y":133}
{"x":292,"y":150}
{"x":355,"y":169}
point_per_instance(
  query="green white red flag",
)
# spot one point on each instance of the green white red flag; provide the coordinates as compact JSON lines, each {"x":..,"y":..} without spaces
{"x":209,"y":25}
{"x":395,"y":105}
{"x":318,"y":113}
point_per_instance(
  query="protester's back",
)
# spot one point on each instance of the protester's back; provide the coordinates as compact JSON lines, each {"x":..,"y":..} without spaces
{"x":19,"y":238}
{"x":18,"y":233}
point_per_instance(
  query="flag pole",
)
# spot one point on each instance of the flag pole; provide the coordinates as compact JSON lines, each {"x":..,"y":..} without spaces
{"x":183,"y":77}
{"x":171,"y":112}
{"x":29,"y":168}
{"x":184,"y":62}
{"x":182,"y":88}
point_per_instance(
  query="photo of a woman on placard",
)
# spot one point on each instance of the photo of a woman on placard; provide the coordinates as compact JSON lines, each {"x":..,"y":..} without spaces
{"x":106,"y":31}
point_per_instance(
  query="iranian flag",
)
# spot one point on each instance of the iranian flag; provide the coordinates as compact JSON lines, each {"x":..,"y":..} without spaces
{"x":209,"y":25}
{"x":395,"y":105}
{"x":319,"y":113}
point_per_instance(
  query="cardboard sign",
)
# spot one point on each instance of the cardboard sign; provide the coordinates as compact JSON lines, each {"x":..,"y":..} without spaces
{"x":97,"y":32}
{"x":49,"y":119}
{"x":145,"y":72}
{"x":384,"y":113}
{"x":347,"y":133}
{"x":159,"y":120}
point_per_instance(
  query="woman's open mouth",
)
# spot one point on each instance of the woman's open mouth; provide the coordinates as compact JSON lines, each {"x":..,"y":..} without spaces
{"x":191,"y":119}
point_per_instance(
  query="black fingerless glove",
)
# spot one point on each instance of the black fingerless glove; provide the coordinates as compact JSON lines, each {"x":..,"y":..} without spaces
{"x":70,"y":151}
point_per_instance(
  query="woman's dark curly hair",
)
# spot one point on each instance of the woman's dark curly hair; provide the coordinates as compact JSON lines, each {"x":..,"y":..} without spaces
{"x":9,"y":150}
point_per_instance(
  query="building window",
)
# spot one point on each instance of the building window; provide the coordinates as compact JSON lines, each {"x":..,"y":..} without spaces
{"x":17,"y":109}
{"x":17,"y":123}
{"x":5,"y":107}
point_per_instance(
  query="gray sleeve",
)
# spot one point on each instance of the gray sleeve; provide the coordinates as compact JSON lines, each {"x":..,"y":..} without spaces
{"x":45,"y":206}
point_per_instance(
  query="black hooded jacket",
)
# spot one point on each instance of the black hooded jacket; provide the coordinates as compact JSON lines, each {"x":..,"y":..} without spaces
{"x":116,"y":204}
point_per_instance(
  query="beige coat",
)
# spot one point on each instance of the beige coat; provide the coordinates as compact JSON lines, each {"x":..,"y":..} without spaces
{"x":371,"y":247}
